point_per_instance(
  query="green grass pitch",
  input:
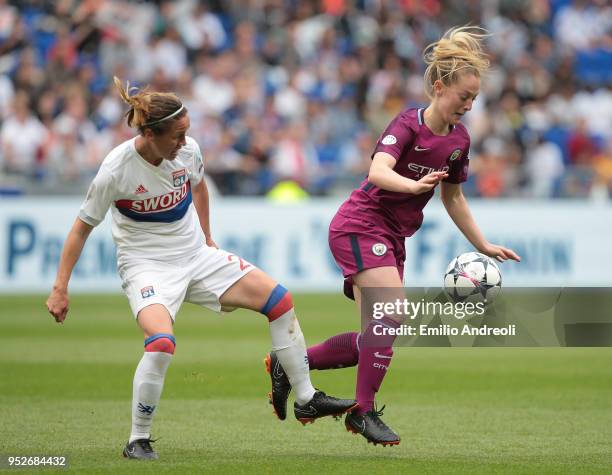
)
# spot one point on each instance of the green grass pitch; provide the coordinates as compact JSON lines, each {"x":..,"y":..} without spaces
{"x":66,"y":389}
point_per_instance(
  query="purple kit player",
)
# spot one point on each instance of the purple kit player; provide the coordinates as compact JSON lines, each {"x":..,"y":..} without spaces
{"x":419,"y":149}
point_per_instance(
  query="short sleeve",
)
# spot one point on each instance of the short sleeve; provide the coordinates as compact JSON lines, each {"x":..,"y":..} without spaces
{"x":99,"y":198}
{"x":458,"y":167}
{"x":196,"y":173}
{"x":397,"y":137}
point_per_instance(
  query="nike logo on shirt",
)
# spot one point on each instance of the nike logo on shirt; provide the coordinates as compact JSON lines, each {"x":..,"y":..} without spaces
{"x":419,"y":149}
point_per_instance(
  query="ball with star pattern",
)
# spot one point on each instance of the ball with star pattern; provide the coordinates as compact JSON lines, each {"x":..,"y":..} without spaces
{"x":472,"y":277}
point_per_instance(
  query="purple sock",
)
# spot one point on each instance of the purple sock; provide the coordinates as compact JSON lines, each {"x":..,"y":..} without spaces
{"x":375,"y":353}
{"x":338,"y":351}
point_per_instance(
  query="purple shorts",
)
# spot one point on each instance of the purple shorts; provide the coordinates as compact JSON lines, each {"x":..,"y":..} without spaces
{"x":357,"y":245}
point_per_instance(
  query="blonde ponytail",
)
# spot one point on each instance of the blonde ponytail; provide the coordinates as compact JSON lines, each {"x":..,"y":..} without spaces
{"x":459,"y":50}
{"x":149,"y":109}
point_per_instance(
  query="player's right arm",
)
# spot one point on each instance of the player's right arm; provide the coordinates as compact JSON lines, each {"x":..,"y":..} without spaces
{"x":92,"y":212}
{"x":57,"y":303}
{"x":384,"y":177}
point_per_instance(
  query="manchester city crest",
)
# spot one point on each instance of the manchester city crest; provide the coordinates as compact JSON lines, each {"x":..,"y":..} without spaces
{"x":379,"y":249}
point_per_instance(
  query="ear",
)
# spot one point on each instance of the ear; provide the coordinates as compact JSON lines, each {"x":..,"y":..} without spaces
{"x":148,"y":134}
{"x":438,"y":88}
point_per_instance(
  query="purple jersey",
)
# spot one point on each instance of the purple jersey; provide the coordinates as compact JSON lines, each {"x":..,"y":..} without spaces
{"x":418,"y":151}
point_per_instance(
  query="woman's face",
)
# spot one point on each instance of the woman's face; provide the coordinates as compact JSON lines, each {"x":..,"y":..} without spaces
{"x":455,"y":100}
{"x":168,"y":144}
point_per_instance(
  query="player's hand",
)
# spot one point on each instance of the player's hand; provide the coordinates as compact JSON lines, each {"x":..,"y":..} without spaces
{"x":428,"y":182}
{"x":499,"y":252}
{"x":57,"y":304}
{"x":211,"y":243}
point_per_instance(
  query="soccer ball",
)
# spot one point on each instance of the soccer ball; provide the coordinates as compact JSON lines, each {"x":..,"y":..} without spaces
{"x":472,"y":277}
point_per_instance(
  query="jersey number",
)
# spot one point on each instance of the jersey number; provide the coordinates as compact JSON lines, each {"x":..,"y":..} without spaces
{"x":243,"y":265}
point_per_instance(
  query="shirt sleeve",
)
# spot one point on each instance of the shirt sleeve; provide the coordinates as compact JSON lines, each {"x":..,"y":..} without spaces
{"x":396,"y":138}
{"x":196,"y":172}
{"x":99,"y":198}
{"x":458,"y":167}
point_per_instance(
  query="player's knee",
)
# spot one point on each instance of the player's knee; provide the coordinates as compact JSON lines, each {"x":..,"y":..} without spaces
{"x":161,"y":343}
{"x":279,"y":302}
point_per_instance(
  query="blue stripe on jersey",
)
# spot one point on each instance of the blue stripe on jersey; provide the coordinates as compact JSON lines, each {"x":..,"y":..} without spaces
{"x":168,"y":216}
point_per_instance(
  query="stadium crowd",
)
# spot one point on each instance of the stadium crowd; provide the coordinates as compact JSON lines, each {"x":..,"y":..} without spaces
{"x":298,"y":91}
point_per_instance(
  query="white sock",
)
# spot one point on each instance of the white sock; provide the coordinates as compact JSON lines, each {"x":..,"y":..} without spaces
{"x":148,"y":385}
{"x":290,"y":347}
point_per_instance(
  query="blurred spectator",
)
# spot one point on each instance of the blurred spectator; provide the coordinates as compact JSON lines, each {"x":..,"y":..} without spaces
{"x":12,"y":32}
{"x":544,"y":168}
{"x":581,"y":25}
{"x":295,"y":157}
{"x":354,"y":159}
{"x":581,"y":146}
{"x":169,"y":54}
{"x":9,"y":16}
{"x":200,"y":28}
{"x":602,"y":187}
{"x":62,"y":57}
{"x":213,"y":87}
{"x":490,"y":172}
{"x":299,"y":90}
{"x":23,"y":140}
{"x":67,"y":157}
{"x":7,"y":93}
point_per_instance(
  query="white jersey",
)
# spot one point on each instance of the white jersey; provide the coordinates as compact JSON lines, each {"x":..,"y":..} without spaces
{"x":152,"y":211}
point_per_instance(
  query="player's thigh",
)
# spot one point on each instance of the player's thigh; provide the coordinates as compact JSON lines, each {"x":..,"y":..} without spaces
{"x":357,"y":295}
{"x":357,"y":298}
{"x":154,"y":319}
{"x":251,"y":291}
{"x":212,"y":272}
{"x":147,"y":283}
{"x":378,"y":285}
{"x":387,"y":276}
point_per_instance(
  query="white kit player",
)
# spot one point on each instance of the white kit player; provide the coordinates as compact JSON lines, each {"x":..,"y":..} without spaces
{"x":154,"y":185}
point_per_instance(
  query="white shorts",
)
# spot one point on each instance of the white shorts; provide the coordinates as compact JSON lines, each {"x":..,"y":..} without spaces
{"x":202,"y":279}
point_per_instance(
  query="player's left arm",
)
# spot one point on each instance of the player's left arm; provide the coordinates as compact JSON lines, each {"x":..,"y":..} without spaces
{"x":457,"y":208}
{"x":201,"y":203}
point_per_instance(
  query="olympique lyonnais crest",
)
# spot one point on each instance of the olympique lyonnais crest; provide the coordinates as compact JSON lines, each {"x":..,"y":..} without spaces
{"x":179,"y":178}
{"x":455,"y":155}
{"x":147,"y":292}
